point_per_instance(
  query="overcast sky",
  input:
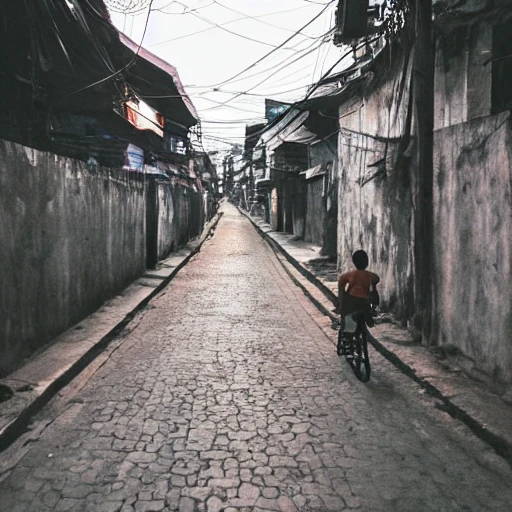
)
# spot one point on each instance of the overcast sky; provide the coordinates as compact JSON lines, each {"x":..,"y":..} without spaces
{"x":183,"y":34}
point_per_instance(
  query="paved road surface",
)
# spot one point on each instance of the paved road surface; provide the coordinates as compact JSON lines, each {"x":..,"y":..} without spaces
{"x":228,"y":397}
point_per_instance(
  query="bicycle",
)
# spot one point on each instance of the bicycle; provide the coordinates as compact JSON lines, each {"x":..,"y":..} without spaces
{"x":353,"y":344}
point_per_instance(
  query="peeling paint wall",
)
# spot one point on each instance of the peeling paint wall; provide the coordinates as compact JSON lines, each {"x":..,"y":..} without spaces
{"x":70,"y":239}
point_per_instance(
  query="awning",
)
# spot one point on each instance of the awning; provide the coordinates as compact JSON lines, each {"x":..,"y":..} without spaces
{"x":288,"y":129}
{"x":263,"y":183}
{"x":168,"y":168}
{"x":314,"y":172}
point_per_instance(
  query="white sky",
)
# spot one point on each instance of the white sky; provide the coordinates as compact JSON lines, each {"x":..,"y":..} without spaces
{"x":206,"y":59}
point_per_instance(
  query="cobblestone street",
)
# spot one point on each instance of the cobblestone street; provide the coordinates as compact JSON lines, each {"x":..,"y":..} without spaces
{"x":227,"y":396}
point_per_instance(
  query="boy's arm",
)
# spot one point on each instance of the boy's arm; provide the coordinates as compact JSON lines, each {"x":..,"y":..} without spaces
{"x":342,"y":282}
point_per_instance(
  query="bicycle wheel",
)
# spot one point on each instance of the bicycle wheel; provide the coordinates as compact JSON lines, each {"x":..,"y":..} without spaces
{"x":361,"y":363}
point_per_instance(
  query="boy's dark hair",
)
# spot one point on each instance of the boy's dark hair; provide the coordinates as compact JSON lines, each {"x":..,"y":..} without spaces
{"x":360,"y":259}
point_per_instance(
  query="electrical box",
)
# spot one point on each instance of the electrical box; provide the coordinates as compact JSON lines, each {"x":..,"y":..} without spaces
{"x":351,"y":20}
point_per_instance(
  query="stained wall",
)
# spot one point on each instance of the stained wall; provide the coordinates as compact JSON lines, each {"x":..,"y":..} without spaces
{"x":70,"y":239}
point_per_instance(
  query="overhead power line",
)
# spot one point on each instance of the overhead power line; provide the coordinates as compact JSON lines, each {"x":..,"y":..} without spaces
{"x":295,"y":34}
{"x":268,"y":77}
{"x":222,"y":27}
{"x":258,"y":94}
{"x":188,"y":10}
{"x":315,"y":45}
{"x":298,"y":104}
{"x":119,"y":71}
{"x":255,"y":18}
{"x":222,"y":24}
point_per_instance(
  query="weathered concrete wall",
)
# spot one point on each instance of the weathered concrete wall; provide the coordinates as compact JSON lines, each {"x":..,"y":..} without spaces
{"x":70,"y":239}
{"x":473,"y":241}
{"x":315,"y":211}
{"x":375,"y":191}
{"x":470,"y":208}
{"x":463,"y":75}
{"x":168,"y":239}
{"x":472,"y":203}
{"x":299,"y":206}
{"x":325,"y":153}
{"x":181,"y":216}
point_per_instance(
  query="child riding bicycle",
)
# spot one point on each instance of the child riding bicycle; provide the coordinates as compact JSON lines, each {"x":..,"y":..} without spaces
{"x":357,"y":290}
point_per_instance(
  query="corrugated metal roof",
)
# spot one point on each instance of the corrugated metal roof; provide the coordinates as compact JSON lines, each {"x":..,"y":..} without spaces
{"x":164,"y":66}
{"x":289,"y":129}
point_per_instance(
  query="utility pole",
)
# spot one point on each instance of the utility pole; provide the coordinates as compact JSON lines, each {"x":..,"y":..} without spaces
{"x":423,"y":103}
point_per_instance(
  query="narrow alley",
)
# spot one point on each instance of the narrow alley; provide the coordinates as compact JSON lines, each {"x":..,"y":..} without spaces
{"x":226,"y":396}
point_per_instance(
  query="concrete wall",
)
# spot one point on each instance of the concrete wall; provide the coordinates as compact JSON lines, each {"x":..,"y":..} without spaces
{"x":299,"y":206}
{"x":472,"y":207}
{"x":462,"y":77}
{"x":325,"y":153}
{"x":375,"y":187}
{"x":473,"y":241}
{"x":315,"y":211}
{"x":181,"y":216}
{"x":70,"y":239}
{"x":168,"y":239}
{"x":472,"y":204}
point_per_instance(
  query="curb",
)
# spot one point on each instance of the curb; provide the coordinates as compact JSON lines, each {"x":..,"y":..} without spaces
{"x":19,"y":426}
{"x":500,"y":445}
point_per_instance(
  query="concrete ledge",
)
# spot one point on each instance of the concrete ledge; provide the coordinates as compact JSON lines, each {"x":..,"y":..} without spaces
{"x":54,"y":366}
{"x":484,"y":412}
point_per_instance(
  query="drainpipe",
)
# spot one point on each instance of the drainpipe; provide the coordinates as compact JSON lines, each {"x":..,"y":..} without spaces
{"x":423,"y":102}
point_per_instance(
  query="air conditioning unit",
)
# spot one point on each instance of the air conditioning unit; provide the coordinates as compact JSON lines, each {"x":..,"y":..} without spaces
{"x":351,"y":20}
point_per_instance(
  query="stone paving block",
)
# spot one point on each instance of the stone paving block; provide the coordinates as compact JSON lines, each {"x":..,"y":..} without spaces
{"x":228,"y":396}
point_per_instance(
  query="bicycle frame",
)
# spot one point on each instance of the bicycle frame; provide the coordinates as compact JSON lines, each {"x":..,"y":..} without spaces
{"x":354,"y":346}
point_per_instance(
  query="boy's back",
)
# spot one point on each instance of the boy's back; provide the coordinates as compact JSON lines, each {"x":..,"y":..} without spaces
{"x":355,"y":286}
{"x":359,"y":282}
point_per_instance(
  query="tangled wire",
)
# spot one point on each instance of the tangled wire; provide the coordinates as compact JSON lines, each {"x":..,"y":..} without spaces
{"x":127,"y":6}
